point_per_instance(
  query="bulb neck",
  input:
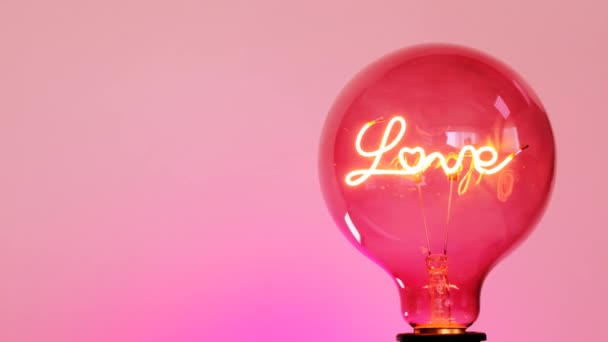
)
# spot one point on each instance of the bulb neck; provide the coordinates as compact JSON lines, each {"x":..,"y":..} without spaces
{"x":442,"y":337}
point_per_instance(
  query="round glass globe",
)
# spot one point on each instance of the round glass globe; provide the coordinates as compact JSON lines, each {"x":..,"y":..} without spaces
{"x":435,"y":161}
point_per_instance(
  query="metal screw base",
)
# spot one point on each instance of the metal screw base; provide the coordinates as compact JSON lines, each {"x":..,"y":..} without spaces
{"x":466,"y":337}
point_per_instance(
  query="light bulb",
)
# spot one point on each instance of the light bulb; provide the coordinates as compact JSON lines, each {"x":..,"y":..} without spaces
{"x":435,"y":161}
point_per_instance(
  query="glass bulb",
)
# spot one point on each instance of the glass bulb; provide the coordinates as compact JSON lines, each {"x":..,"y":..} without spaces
{"x":435,"y":161}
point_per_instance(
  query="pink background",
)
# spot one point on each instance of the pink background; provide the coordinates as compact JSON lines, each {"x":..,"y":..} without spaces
{"x":159,"y":182}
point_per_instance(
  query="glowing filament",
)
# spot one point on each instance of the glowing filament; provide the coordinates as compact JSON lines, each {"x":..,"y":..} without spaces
{"x":451,"y":165}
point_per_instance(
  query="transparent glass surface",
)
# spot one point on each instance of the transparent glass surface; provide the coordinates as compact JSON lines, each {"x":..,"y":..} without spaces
{"x":435,"y":161}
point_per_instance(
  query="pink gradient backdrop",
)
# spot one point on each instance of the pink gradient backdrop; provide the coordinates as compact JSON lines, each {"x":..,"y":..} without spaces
{"x":159,"y":169}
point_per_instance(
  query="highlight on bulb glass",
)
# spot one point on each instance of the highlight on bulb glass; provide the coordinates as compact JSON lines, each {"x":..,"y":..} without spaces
{"x":435,"y":161}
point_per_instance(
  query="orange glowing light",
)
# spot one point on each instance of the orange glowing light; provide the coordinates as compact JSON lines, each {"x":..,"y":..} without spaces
{"x":484,"y":166}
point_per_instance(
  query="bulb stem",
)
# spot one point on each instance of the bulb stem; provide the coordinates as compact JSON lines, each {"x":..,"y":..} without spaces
{"x":439,"y":289}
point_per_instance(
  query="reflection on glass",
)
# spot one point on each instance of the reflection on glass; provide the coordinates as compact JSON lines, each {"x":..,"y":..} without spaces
{"x":510,"y":140}
{"x":459,"y":139}
{"x":352,"y":228}
{"x":502,"y":107}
